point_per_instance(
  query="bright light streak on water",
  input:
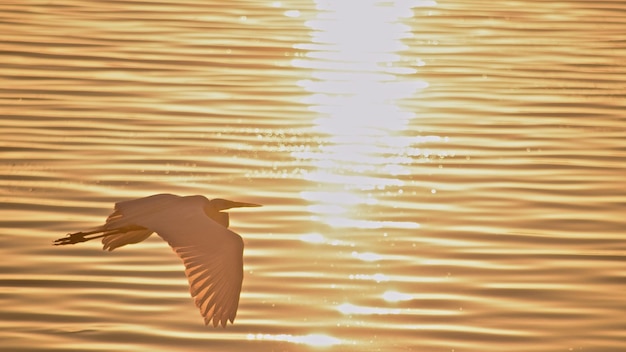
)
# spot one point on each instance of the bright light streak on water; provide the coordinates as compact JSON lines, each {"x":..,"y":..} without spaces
{"x":349,"y":309}
{"x":393,"y":296}
{"x":376,"y":277}
{"x":315,"y":340}
{"x":367,"y":256}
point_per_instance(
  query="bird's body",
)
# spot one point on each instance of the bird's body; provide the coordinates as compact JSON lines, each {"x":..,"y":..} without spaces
{"x":197,"y":230}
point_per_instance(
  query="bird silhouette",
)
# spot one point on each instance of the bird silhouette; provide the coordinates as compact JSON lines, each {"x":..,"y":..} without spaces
{"x":197,"y":230}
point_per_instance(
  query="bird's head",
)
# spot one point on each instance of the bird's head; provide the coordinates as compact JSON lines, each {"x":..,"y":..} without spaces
{"x":215,"y":207}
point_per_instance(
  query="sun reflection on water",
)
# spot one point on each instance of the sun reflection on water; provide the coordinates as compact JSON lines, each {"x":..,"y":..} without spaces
{"x":394,"y":296}
{"x":358,"y":77}
{"x":357,"y":84}
{"x":349,"y":309}
{"x":358,"y":81}
{"x":317,"y":340}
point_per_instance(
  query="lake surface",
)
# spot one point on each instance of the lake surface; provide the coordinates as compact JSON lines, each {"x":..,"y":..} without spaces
{"x":436,"y":176}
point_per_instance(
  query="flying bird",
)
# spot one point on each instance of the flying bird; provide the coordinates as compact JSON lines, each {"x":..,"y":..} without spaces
{"x":197,"y":230}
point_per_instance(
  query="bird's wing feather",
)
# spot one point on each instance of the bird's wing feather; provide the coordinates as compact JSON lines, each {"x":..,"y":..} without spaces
{"x":214,"y":283}
{"x":212,"y":254}
{"x":116,"y":240}
{"x":130,"y":212}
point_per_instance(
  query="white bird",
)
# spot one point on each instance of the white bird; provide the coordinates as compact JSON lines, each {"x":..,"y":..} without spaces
{"x":197,"y":230}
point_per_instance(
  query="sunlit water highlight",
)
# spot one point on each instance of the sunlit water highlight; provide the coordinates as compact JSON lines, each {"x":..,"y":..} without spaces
{"x":437,"y":176}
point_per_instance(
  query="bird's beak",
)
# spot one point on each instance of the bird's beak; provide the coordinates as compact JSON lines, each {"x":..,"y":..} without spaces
{"x":244,"y":205}
{"x":228,"y":204}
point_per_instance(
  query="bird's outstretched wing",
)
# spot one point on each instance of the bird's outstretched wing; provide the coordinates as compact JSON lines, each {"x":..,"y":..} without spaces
{"x":215,"y":274}
{"x":212,"y":254}
{"x":126,"y":216}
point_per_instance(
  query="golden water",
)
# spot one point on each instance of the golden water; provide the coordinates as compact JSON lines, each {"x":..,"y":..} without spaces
{"x":437,"y":176}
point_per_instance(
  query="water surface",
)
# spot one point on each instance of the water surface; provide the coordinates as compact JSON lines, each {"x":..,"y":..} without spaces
{"x":437,"y":176}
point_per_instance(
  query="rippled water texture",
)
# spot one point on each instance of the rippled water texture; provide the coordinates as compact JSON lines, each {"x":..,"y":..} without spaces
{"x":436,"y":176}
